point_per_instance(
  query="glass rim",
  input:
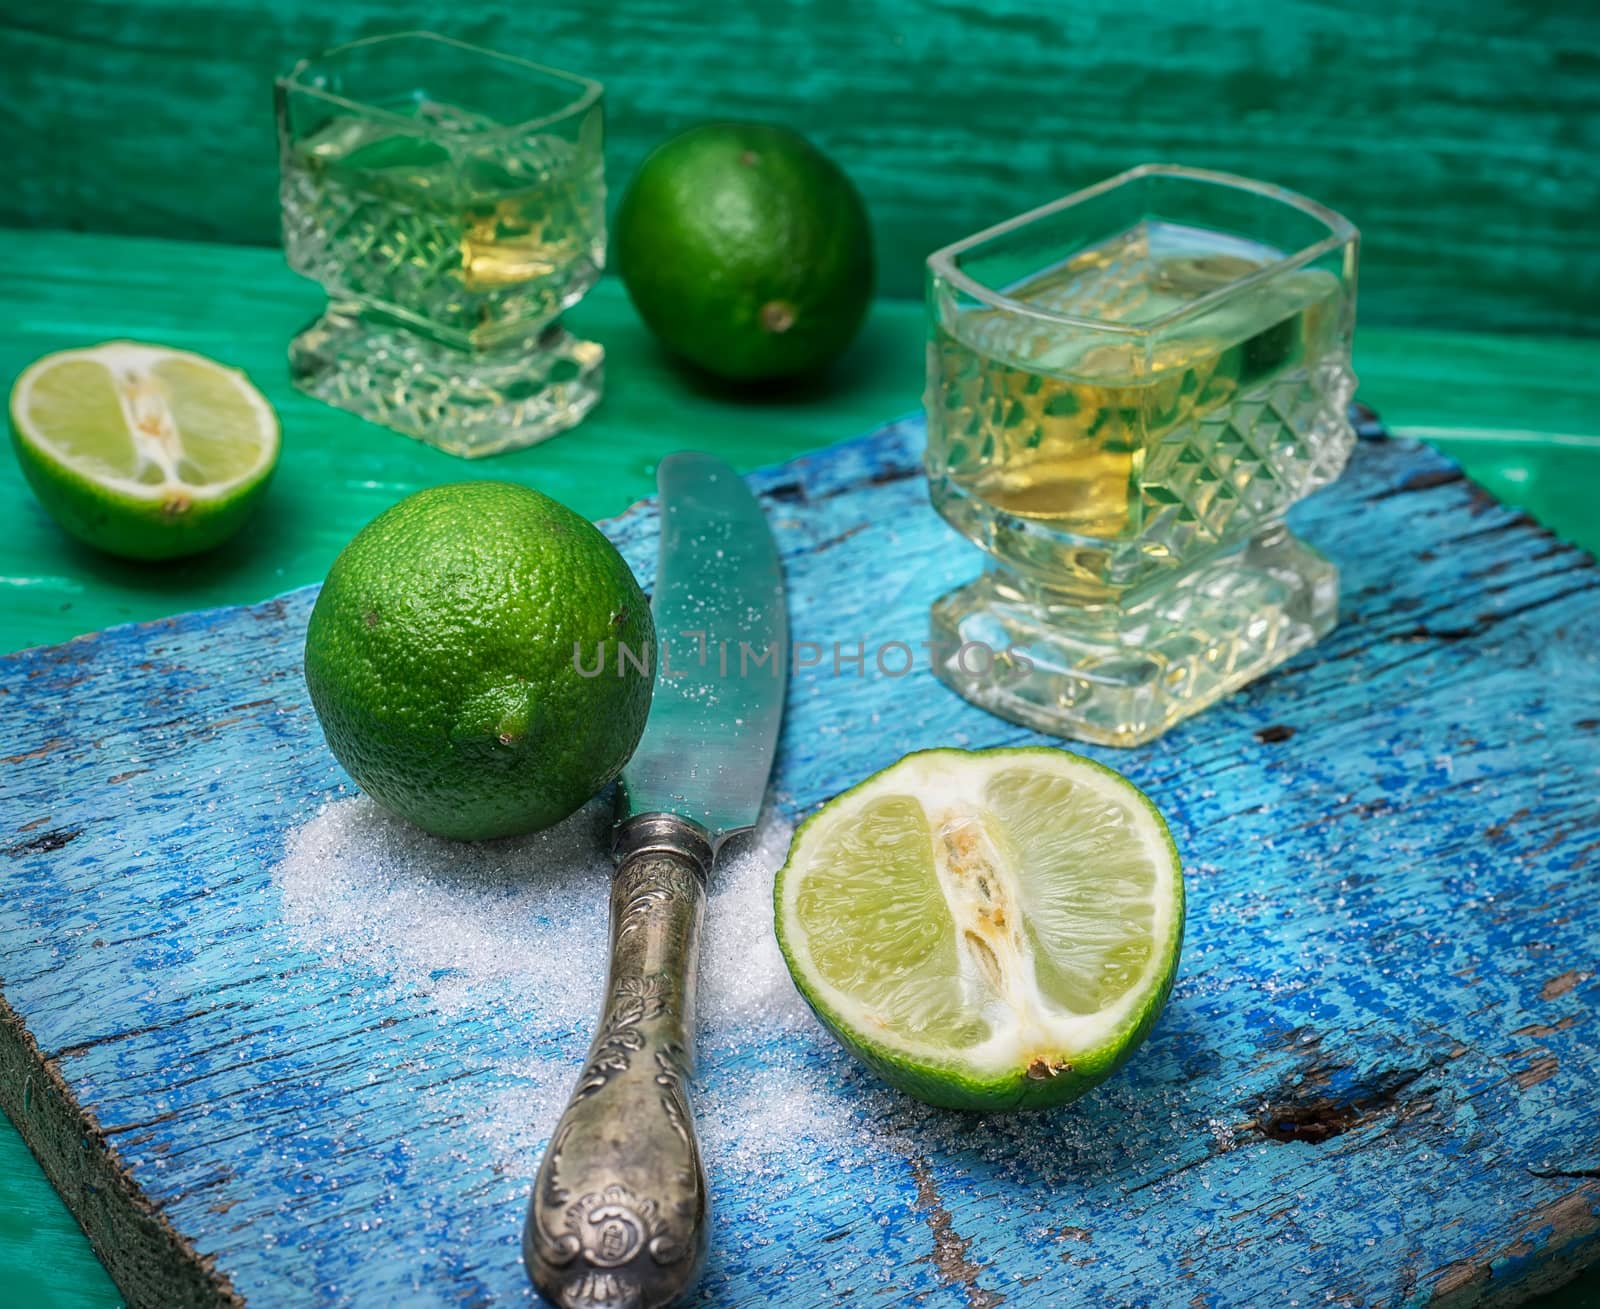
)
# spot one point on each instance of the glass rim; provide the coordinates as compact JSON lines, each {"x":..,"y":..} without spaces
{"x":586,"y":97}
{"x":1341,"y":231}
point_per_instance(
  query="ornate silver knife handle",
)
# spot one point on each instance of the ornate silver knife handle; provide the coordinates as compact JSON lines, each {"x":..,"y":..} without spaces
{"x":618,"y":1214}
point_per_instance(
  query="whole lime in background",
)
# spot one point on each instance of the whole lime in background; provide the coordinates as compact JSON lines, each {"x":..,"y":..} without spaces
{"x":440,"y":660}
{"x":141,"y":450}
{"x":746,"y":250}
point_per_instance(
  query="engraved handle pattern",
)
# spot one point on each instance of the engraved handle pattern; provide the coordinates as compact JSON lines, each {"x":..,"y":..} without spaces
{"x":618,"y":1214}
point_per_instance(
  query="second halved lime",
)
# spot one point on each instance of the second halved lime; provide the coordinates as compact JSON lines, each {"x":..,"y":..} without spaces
{"x":987,"y":930}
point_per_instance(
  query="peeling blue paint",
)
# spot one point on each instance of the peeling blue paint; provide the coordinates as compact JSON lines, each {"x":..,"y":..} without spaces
{"x":1374,"y":1081}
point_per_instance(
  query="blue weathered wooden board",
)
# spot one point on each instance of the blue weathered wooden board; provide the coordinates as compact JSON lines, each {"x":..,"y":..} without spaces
{"x":1374,"y":1084}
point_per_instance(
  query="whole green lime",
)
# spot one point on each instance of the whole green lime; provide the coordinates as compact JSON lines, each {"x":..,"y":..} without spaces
{"x":746,"y":250}
{"x":452,"y":658}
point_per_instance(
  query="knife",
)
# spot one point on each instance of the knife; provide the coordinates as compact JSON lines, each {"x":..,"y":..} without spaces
{"x":618,"y":1216}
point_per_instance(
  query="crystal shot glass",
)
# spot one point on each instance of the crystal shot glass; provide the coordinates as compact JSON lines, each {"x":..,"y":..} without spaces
{"x":1127,"y":389}
{"x":451,"y":202}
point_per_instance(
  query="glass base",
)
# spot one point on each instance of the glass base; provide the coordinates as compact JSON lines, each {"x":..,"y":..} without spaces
{"x":470,"y":403}
{"x":1122,"y":674}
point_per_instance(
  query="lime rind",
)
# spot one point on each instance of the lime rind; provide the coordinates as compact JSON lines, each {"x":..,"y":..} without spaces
{"x":439,"y":660}
{"x":1008,"y":1042}
{"x":201,"y":426}
{"x":143,"y":451}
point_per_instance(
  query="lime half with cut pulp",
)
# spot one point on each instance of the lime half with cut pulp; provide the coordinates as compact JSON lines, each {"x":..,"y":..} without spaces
{"x":989,"y":929}
{"x":141,"y":450}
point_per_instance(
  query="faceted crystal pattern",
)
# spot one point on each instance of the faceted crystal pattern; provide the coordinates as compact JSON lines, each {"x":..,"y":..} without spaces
{"x":467,"y":403}
{"x":1205,"y":486}
{"x":491,"y":268}
{"x":1122,"y":676}
{"x":1122,"y":428}
{"x":1246,"y":463}
{"x":448,"y":249}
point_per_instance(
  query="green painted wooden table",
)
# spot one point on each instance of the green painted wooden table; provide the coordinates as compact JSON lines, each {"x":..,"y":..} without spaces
{"x":1519,"y":409}
{"x":1522,"y":412}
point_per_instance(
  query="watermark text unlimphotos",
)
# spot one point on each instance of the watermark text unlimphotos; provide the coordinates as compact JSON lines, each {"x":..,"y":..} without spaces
{"x":695,"y":651}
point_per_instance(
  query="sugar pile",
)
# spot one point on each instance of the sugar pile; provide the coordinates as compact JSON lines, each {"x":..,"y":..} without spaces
{"x":492,"y":955}
{"x":525,"y":918}
{"x":517,"y":929}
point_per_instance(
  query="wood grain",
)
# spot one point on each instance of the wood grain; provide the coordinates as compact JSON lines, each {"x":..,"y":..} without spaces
{"x":59,"y":290}
{"x":1459,"y":136}
{"x":1373,"y":1084}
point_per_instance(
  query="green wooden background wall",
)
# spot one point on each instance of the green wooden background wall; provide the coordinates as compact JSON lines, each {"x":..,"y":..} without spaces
{"x":1462,"y":135}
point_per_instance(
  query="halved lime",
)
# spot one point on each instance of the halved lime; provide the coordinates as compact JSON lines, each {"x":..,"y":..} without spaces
{"x":988,"y":929}
{"x":141,"y":450}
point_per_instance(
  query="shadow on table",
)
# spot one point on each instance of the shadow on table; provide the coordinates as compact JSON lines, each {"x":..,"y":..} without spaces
{"x":876,"y":352}
{"x":267,"y":534}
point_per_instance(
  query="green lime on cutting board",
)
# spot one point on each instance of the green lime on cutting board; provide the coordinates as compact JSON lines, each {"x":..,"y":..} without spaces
{"x":443,"y":658}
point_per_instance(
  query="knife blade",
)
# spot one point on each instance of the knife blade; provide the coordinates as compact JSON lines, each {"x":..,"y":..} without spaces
{"x":723,"y":632}
{"x":618,"y":1214}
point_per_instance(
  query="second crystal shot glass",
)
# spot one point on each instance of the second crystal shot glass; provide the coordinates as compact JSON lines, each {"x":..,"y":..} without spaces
{"x":451,"y":201}
{"x":1127,"y":389}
